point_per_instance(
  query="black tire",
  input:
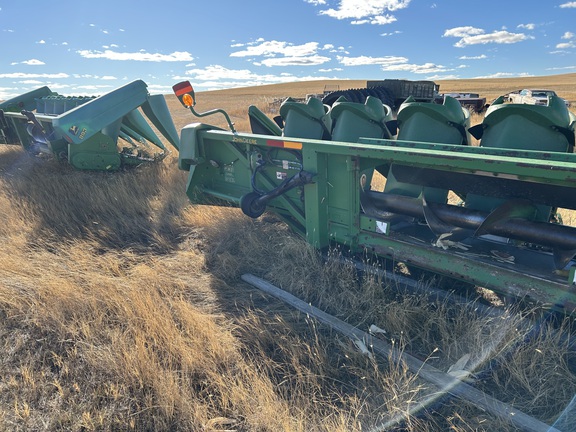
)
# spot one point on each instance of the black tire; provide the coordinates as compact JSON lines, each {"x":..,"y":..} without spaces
{"x":330,"y":98}
{"x":250,"y":207}
{"x":387,"y":98}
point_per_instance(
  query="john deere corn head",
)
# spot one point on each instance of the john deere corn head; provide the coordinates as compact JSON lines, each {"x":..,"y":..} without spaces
{"x":86,"y":130}
{"x":483,"y":214}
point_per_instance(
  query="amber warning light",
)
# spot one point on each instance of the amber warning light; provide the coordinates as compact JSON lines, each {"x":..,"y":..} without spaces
{"x":185,"y":93}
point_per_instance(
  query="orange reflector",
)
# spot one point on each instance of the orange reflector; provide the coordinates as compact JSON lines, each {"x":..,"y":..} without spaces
{"x":284,"y":144}
{"x":187,"y":100}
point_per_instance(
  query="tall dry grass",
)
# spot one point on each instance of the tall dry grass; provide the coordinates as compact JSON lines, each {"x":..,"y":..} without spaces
{"x":110,"y":320}
{"x":121,"y":308}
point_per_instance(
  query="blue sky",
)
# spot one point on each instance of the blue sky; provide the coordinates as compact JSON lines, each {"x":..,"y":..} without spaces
{"x":80,"y":47}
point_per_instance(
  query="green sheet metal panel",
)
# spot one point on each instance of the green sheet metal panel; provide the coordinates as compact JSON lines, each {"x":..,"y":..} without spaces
{"x":85,"y":120}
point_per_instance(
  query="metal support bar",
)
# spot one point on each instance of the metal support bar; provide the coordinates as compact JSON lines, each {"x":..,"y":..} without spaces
{"x":446,"y":383}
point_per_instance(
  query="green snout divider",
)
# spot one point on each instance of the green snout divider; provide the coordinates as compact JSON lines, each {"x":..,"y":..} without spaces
{"x":524,"y":127}
{"x":428,"y":122}
{"x":353,"y":120}
{"x":306,"y":120}
{"x":261,"y":124}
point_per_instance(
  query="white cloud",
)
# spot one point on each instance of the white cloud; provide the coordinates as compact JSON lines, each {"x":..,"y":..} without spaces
{"x":33,"y":62}
{"x":95,"y":77}
{"x":22,"y":75}
{"x":366,"y":60}
{"x":442,"y":77}
{"x":273,"y":48}
{"x":414,"y":68}
{"x":364,"y":8}
{"x":137,"y":56}
{"x":568,"y":5}
{"x":8,"y":93}
{"x":42,"y":41}
{"x":216,"y":76}
{"x":461,"y":32}
{"x":313,"y":60}
{"x":392,"y":63}
{"x":391,"y":33}
{"x":530,"y":26}
{"x":91,"y":87}
{"x":562,"y":68}
{"x":480,"y":57}
{"x":506,"y":75}
{"x":376,"y":20}
{"x":216,"y":72}
{"x":475,"y":36}
{"x":570,"y":39}
{"x":278,"y":53}
{"x":366,"y":11}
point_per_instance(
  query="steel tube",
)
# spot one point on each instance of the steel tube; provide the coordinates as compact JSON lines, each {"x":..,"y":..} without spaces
{"x":542,"y":233}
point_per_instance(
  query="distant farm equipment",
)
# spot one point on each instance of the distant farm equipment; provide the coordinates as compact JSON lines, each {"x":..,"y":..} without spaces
{"x":317,"y":170}
{"x":392,"y":92}
{"x":532,"y":96}
{"x":471,"y":101}
{"x":88,"y":131}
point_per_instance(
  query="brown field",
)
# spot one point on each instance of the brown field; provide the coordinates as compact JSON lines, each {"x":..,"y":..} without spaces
{"x":121,"y":308}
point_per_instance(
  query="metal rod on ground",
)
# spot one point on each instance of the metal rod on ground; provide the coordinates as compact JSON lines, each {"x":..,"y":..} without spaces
{"x":446,"y":383}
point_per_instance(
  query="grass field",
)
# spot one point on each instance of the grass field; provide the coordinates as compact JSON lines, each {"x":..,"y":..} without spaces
{"x":121,"y":308}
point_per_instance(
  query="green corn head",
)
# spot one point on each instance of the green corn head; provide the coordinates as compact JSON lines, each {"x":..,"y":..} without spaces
{"x":482,"y":214}
{"x":89,"y":131}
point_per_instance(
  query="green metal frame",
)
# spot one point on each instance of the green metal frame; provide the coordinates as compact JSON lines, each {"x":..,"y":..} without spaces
{"x":328,"y":211}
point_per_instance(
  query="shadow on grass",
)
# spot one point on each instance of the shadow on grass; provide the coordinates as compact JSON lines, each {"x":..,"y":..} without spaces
{"x":137,"y":207}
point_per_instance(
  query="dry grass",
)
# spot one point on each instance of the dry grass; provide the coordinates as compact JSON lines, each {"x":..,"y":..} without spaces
{"x":121,"y":309}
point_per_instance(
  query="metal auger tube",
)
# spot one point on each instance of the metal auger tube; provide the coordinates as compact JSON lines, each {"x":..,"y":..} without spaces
{"x":542,"y":233}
